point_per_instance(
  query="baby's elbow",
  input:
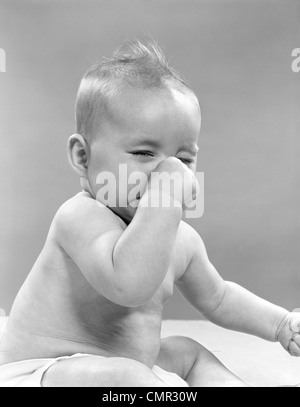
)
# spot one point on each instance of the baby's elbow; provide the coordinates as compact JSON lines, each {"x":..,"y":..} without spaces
{"x":132,"y":298}
{"x":132,"y":303}
{"x":129,"y":301}
{"x":124,"y":296}
{"x":116,"y":288}
{"x":215,"y":301}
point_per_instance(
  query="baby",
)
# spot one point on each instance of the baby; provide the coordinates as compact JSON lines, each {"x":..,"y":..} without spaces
{"x":90,"y":311}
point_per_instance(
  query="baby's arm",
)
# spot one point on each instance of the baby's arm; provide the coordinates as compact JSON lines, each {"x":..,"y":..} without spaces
{"x":226,"y":303}
{"x":125,"y":265}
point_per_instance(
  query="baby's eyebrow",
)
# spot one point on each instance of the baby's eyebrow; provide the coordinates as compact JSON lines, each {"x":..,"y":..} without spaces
{"x":193,"y":149}
{"x":145,"y":142}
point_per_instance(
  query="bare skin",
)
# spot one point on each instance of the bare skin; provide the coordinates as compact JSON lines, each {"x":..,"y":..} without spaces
{"x":104,"y":274}
{"x":79,"y":320}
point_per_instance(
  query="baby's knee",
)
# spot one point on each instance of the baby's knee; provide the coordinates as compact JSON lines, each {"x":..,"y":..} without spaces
{"x":180,"y":353}
{"x":182,"y":345}
{"x":123,"y":372}
{"x":194,"y":349}
{"x":87,"y":371}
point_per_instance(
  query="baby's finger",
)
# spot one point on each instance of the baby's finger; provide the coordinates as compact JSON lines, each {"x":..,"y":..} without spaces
{"x":294,"y":349}
{"x":296,"y":339}
{"x":295,"y":324}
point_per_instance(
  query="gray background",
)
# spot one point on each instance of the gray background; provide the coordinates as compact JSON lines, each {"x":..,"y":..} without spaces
{"x":237,"y":57}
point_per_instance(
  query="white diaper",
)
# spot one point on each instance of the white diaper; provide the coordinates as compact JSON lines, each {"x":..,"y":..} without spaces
{"x":29,"y":373}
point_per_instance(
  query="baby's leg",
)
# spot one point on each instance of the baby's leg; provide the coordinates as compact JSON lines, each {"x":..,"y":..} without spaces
{"x":195,"y":364}
{"x":96,"y":371}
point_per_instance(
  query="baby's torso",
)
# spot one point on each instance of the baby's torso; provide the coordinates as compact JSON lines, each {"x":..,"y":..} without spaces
{"x":58,"y":313}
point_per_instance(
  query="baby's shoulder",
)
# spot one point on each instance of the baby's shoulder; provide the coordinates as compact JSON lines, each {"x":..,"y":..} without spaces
{"x":83,"y":212}
{"x":189,"y":238}
{"x":187,"y":231}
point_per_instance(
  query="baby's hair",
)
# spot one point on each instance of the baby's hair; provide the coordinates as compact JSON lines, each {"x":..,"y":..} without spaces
{"x":139,"y":63}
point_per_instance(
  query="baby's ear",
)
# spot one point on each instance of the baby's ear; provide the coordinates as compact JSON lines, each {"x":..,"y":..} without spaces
{"x":77,"y":150}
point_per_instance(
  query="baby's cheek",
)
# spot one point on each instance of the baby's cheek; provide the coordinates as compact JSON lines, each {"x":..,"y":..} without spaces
{"x":105,"y":189}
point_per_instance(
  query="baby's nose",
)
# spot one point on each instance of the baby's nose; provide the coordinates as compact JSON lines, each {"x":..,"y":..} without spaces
{"x":163,"y":158}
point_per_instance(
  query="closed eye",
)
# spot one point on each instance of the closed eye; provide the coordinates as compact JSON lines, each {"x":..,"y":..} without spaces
{"x":186,"y":161}
{"x":143,"y":153}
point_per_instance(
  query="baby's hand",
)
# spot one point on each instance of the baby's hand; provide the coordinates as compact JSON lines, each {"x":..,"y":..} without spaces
{"x":289,"y":335}
{"x":183,"y":186}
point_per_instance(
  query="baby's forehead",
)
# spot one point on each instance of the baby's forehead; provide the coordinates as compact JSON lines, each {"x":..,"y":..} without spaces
{"x":152,"y":119}
{"x":133,"y":105}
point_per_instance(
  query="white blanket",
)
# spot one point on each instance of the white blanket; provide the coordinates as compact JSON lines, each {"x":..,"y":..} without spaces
{"x":3,"y":321}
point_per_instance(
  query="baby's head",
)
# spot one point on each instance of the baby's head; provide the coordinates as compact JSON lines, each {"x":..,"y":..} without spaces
{"x":132,"y":110}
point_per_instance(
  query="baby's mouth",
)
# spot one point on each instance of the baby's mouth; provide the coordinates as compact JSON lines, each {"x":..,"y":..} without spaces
{"x":133,"y":202}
